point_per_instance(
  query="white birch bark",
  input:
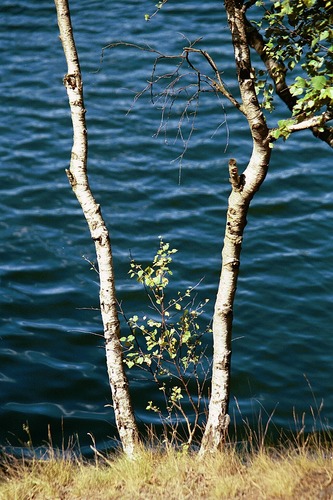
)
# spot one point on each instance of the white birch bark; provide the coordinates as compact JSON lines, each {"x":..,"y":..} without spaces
{"x":77,"y":175}
{"x":243,"y":189}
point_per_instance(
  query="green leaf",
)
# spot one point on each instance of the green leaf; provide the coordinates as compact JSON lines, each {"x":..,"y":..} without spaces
{"x":300,"y":82}
{"x":318,"y":82}
{"x":325,"y":34}
{"x":327,"y":93}
{"x":309,"y":3}
{"x":296,"y":90}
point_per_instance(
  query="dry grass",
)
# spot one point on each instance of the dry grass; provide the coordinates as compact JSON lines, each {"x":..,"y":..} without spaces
{"x":290,"y":472}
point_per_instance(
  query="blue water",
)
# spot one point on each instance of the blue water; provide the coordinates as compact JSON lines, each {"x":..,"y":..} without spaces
{"x":52,"y":367}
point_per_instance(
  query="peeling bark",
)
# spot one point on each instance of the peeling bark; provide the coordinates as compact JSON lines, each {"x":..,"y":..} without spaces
{"x":244,"y":187}
{"x":78,"y":178}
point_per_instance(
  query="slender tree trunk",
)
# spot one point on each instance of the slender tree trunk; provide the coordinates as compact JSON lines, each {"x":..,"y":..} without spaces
{"x":244,"y":187}
{"x":77,"y":175}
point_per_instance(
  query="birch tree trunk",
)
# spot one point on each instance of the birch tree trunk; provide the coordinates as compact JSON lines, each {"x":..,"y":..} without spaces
{"x":244,"y":187}
{"x":77,"y":175}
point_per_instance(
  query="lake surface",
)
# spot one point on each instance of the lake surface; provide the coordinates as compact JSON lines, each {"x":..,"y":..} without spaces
{"x":52,"y":367}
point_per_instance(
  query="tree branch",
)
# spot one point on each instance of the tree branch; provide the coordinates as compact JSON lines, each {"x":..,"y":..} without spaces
{"x":78,"y":178}
{"x":277,"y":71}
{"x":218,"y":84}
{"x":244,"y":188}
{"x":290,"y":126}
{"x":314,"y":121}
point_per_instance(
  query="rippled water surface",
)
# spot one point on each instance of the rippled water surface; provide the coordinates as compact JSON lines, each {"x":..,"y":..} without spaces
{"x":52,"y":368}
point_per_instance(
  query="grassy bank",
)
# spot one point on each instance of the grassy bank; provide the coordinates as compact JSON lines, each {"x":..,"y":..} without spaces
{"x":292,"y":471}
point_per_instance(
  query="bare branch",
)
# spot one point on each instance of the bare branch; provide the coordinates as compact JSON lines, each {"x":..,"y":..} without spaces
{"x":112,"y":45}
{"x":217,"y":85}
{"x":166,"y":88}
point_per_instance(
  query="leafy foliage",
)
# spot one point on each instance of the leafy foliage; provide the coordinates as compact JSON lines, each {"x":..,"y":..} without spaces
{"x":168,"y":345}
{"x":265,"y":90}
{"x":299,"y":35}
{"x":283,"y":129}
